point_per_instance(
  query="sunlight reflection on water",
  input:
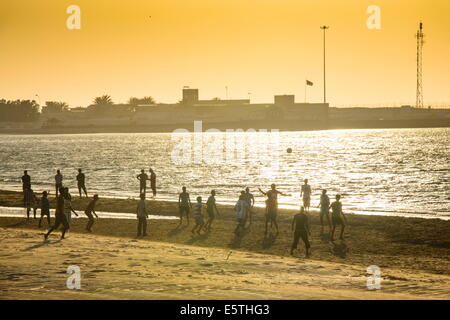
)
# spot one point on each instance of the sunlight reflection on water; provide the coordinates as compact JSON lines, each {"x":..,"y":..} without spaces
{"x":380,"y":171}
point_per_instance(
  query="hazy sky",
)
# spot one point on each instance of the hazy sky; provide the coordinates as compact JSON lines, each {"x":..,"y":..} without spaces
{"x":265,"y":47}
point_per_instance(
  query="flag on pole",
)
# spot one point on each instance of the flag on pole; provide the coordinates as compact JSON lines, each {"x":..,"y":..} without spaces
{"x":309,"y":83}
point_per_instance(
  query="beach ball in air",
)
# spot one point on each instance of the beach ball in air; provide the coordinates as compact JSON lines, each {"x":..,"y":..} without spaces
{"x":289,"y":150}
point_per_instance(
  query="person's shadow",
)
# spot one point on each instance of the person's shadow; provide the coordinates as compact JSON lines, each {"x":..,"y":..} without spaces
{"x":197,"y":237}
{"x":339,"y":249}
{"x":16,"y":224}
{"x":177,"y":230}
{"x":237,"y":239}
{"x":269,"y":240}
{"x":41,"y":244}
{"x":325,"y":237}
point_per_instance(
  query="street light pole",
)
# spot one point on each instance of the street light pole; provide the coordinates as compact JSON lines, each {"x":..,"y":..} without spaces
{"x":324,"y":28}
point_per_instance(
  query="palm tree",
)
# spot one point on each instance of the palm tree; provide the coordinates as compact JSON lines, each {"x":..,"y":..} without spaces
{"x":145,"y":100}
{"x":55,"y":106}
{"x":104,"y":100}
{"x":148,"y":100}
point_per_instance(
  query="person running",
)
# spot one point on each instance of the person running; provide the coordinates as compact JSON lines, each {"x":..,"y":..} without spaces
{"x":81,"y":182}
{"x":199,"y":222}
{"x":272,"y":206}
{"x":45,"y":208}
{"x":31,"y":202}
{"x":210,"y":208}
{"x":306,"y":192}
{"x":241,"y":208}
{"x":184,"y":205}
{"x":324,"y":209}
{"x":90,"y":209}
{"x":337,"y":217}
{"x":142,"y":177}
{"x":250,"y":199}
{"x":300,"y":227}
{"x":68,"y":206}
{"x":153,"y":181}
{"x":60,"y":217}
{"x":58,"y":181}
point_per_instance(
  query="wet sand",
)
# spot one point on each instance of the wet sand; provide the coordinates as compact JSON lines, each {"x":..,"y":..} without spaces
{"x":171,"y":263}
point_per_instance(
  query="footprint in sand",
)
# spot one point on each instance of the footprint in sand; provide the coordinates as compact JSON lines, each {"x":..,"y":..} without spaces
{"x":98,"y":270}
{"x":206,"y":264}
{"x":181,"y":264}
{"x":241,"y":272}
{"x":395,"y":278}
{"x":134,"y":264}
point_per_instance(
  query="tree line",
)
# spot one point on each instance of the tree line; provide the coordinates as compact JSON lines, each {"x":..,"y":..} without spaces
{"x":29,"y":110}
{"x":18,"y":110}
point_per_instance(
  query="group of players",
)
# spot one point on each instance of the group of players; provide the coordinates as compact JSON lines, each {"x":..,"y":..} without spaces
{"x":244,"y":211}
{"x":243,"y":207}
{"x":63,"y":209}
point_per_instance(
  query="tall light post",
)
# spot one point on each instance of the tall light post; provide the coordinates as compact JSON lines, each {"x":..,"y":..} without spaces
{"x":324,"y":28}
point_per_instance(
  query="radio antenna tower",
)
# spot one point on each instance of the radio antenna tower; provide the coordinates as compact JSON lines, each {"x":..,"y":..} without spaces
{"x":419,"y":92}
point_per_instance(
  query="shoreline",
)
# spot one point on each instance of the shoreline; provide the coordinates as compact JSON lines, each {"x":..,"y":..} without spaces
{"x":412,"y":254}
{"x":411,"y":243}
{"x":283,"y":126}
{"x":260,"y":206}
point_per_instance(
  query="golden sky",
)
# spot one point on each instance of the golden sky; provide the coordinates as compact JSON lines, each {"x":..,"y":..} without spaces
{"x":265,"y":47}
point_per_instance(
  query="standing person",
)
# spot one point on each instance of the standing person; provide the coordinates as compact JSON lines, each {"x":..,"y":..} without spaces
{"x":184,"y":204}
{"x":60,"y":217}
{"x":324,"y":209}
{"x":250,"y":199}
{"x":300,"y":226}
{"x":26,"y":184}
{"x":142,"y":177}
{"x":153,"y":181}
{"x":30,"y":202}
{"x":141,"y":212}
{"x":198,"y":216}
{"x":81,"y":182}
{"x":306,"y":192}
{"x":241,"y":208}
{"x":90,"y":209}
{"x":68,"y":206}
{"x":337,"y":217}
{"x":26,"y":180}
{"x":45,"y":208}
{"x":272,"y":205}
{"x":210,"y":208}
{"x":58,"y":181}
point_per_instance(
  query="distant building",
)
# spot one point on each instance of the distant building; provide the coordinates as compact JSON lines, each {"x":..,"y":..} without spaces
{"x":191,"y":108}
{"x":284,"y":100}
{"x":190,"y":96}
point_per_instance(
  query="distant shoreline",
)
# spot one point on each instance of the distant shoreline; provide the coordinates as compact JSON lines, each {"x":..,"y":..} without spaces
{"x":13,"y":198}
{"x":286,"y":125}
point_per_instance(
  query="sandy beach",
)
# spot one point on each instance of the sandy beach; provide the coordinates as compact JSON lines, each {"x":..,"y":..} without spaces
{"x":413,"y":255}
